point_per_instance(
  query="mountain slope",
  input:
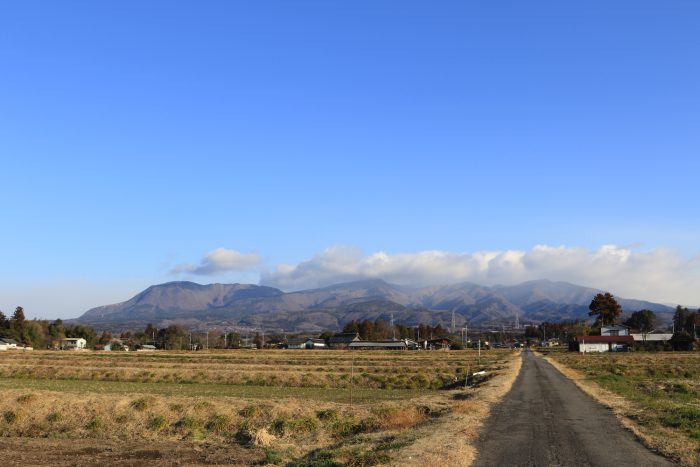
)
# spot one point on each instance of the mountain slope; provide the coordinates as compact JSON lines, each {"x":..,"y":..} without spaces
{"x":331,"y":307}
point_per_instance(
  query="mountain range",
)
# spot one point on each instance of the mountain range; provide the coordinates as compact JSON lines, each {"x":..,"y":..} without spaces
{"x":329,"y":308}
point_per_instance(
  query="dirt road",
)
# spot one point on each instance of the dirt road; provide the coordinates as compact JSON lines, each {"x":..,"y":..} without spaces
{"x":546,"y":420}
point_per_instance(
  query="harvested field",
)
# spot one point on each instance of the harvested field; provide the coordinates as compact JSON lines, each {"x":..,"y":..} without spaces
{"x":655,"y":394}
{"x":250,"y":407}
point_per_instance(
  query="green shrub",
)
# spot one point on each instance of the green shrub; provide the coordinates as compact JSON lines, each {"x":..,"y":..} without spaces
{"x":142,"y":403}
{"x":156,"y":422}
{"x":189,"y":423}
{"x":53,"y":417}
{"x":328,"y":415}
{"x":9,"y":416}
{"x":26,"y":398}
{"x":94,"y":424}
{"x":218,"y":423}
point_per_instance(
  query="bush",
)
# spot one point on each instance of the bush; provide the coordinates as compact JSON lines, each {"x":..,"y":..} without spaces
{"x":142,"y":403}
{"x":9,"y":416}
{"x":94,"y":424}
{"x":26,"y":398}
{"x":328,"y":415}
{"x":189,"y":423}
{"x":156,"y":422}
{"x":218,"y":423}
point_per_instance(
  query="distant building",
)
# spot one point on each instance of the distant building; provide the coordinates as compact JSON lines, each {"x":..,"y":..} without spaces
{"x":405,"y":344}
{"x":10,"y":343}
{"x":313,"y":343}
{"x":296,"y":343}
{"x":441,"y":343}
{"x":147,"y":348}
{"x":343,"y":340}
{"x":585,"y":344}
{"x":73,"y":343}
{"x":615,"y":330}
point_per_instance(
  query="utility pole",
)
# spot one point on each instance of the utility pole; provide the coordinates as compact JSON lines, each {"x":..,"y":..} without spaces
{"x":207,"y":340}
{"x":453,"y":322}
{"x":393,"y":329}
{"x":479,"y":356}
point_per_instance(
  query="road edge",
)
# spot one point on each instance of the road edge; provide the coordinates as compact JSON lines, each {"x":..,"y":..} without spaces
{"x":451,"y":439}
{"x":624,"y":411}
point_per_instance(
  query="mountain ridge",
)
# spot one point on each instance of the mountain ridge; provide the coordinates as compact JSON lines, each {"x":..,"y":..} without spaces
{"x":330,"y":307}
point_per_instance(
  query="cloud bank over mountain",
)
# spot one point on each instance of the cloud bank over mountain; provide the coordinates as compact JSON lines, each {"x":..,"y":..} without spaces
{"x":661,"y":275}
{"x":220,"y":261}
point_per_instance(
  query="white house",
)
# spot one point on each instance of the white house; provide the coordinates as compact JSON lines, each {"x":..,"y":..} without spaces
{"x":3,"y":346}
{"x":313,"y":343}
{"x":73,"y":343}
{"x":586,"y":344}
{"x":614,"y":330}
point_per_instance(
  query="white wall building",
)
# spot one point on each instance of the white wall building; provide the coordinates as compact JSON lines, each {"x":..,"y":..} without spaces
{"x":614,"y":330}
{"x":73,"y":343}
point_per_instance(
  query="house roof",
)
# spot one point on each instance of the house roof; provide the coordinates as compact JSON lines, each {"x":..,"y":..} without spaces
{"x":344,"y":338}
{"x":382,"y":344}
{"x":73,"y":339}
{"x":296,"y":340}
{"x":605,"y":339}
{"x":7,"y":340}
{"x":315,"y":340}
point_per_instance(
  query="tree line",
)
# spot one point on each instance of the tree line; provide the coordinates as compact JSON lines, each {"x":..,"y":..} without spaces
{"x":40,"y":333}
{"x":379,"y":329}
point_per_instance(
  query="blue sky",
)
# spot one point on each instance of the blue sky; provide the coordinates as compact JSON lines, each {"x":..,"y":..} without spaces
{"x":138,"y":137}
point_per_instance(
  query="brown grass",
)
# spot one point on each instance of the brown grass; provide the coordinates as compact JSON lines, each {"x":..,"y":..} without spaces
{"x":286,"y":428}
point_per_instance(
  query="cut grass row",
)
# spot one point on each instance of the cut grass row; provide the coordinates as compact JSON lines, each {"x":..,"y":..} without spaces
{"x":409,"y":370}
{"x":341,"y":395}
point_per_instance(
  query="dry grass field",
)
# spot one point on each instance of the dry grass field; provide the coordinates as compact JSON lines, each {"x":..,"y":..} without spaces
{"x":247,"y":407}
{"x":656,"y":394}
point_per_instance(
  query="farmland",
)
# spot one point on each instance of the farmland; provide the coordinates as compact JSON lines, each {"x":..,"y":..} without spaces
{"x":248,"y":407}
{"x":658,"y":394}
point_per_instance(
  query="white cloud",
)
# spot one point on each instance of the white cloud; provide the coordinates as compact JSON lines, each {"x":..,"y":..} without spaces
{"x":660,"y":275}
{"x":220,"y":261}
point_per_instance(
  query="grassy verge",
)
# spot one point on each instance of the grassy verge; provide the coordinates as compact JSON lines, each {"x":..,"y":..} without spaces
{"x":657,"y":395}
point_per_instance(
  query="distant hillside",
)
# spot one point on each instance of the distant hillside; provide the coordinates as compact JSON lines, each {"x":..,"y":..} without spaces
{"x":245,"y":305}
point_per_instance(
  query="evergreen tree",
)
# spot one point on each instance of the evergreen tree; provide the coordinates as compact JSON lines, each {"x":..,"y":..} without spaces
{"x":18,"y":319}
{"x":680,"y":319}
{"x":605,"y":308}
{"x":4,"y":323}
{"x":642,"y":320}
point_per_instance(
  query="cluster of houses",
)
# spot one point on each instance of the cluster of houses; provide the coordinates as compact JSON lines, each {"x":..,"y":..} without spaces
{"x":74,"y":343}
{"x":352,"y":341}
{"x":615,"y":338}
